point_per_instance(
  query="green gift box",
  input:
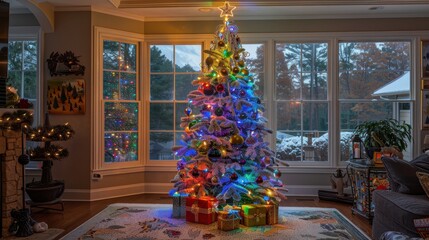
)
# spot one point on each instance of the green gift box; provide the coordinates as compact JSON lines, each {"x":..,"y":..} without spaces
{"x":254,"y":215}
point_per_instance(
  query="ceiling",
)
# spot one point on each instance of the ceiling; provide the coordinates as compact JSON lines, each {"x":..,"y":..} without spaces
{"x":160,"y":10}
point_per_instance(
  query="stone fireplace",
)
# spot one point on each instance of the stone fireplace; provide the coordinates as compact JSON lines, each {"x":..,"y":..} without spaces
{"x":11,"y":174}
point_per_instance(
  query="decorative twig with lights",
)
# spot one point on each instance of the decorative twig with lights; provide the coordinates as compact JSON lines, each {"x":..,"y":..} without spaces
{"x":223,"y":152}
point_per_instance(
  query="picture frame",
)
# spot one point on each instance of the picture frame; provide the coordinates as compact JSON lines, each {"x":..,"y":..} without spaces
{"x":66,"y":96}
{"x":425,"y":58}
{"x":425,"y":109}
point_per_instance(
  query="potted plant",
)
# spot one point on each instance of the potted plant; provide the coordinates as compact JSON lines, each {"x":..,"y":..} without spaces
{"x":384,"y":133}
{"x":47,"y":189}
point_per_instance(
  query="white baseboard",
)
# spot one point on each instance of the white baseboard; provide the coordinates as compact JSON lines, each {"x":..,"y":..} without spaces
{"x":162,"y":188}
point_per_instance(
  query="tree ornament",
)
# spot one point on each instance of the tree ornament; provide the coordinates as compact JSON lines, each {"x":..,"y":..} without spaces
{"x":242,"y":161}
{"x":203,"y":148}
{"x":209,"y":61}
{"x":236,"y":56}
{"x":220,"y":88}
{"x":242,"y":93}
{"x":235,"y":70}
{"x":214,"y":154}
{"x":258,"y":101}
{"x":250,"y":140}
{"x":267,"y":160}
{"x":208,"y":89}
{"x":240,"y":63}
{"x":277,"y":173}
{"x":233,"y":176}
{"x":195,"y":172}
{"x":236,"y":139}
{"x":188,"y":111}
{"x":221,"y":43}
{"x":218,"y":111}
{"x":245,"y":72}
{"x":182,"y":174}
{"x":242,"y":116}
{"x":192,"y":123}
{"x":215,"y":180}
{"x":259,"y":180}
{"x":224,"y":72}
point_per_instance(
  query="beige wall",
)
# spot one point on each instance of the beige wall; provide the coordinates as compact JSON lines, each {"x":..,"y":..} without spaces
{"x":72,"y":33}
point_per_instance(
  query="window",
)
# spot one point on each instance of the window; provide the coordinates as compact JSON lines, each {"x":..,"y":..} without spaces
{"x":172,"y":70}
{"x":374,"y":84}
{"x":121,"y":108}
{"x":301,"y":103}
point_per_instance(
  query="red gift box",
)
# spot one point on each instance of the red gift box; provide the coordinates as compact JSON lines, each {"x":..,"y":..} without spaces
{"x":201,"y":210}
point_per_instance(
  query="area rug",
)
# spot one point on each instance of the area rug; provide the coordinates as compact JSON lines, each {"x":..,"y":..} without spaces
{"x":153,"y":221}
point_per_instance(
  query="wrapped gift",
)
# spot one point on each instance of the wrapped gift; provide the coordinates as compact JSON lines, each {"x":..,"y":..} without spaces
{"x":254,"y":215}
{"x":272,"y":214}
{"x":240,"y":213}
{"x":228,"y":220}
{"x":179,"y":205}
{"x":201,"y":210}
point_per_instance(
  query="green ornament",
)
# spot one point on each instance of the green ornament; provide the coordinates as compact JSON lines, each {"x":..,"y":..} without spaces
{"x":192,"y":123}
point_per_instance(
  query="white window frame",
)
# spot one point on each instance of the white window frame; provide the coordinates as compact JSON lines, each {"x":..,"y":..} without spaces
{"x":332,"y":39}
{"x":174,"y":39}
{"x":97,"y":104}
{"x":33,"y":34}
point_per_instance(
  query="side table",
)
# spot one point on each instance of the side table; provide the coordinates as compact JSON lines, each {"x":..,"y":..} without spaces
{"x":364,"y":180}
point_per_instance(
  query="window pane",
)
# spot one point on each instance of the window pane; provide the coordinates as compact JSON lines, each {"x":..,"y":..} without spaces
{"x":14,"y":79}
{"x":30,"y":55}
{"x":255,"y":64}
{"x":288,"y":145}
{"x":161,"y":87}
{"x":161,"y":58}
{"x":127,"y":60}
{"x":120,"y":147}
{"x":160,"y":146}
{"x":161,"y":116}
{"x":315,"y":116}
{"x":180,"y":112}
{"x":120,"y":116}
{"x":288,"y":116}
{"x":30,"y":85}
{"x":184,"y":85}
{"x":15,"y":55}
{"x":111,"y":55}
{"x":110,"y":85}
{"x":315,"y":86}
{"x":188,"y":58}
{"x":372,"y":70}
{"x":128,"y":86}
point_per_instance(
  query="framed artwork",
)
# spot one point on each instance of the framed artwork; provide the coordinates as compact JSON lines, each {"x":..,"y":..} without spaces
{"x":66,"y":96}
{"x":425,"y":109}
{"x":425,"y":59}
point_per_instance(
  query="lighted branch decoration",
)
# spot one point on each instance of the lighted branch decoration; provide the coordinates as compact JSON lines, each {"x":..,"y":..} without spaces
{"x":47,"y":134}
{"x":16,"y":120}
{"x":53,"y":152}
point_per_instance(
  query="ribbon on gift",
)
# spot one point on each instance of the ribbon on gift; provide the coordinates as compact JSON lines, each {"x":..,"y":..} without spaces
{"x":258,"y":215}
{"x":227,"y":221}
{"x":196,"y":210}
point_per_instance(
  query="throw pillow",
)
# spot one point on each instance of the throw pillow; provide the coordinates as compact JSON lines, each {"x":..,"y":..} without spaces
{"x":402,"y":176}
{"x":424,"y":181}
{"x":421,"y":162}
{"x":422,"y":227}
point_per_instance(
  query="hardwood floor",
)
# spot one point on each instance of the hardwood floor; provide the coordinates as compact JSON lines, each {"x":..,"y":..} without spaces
{"x":76,"y":213}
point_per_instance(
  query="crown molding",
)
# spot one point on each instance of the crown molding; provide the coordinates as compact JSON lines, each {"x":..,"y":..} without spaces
{"x":199,"y":3}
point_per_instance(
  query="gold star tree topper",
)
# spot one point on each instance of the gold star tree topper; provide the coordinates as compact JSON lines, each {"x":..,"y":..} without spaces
{"x":226,"y":10}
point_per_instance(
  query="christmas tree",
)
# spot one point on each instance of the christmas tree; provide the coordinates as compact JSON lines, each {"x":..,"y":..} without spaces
{"x":223,"y":153}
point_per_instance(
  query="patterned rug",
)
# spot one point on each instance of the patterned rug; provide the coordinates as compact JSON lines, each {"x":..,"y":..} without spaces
{"x":153,"y":221}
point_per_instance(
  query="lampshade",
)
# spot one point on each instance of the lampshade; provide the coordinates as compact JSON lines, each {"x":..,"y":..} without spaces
{"x":426,"y":141}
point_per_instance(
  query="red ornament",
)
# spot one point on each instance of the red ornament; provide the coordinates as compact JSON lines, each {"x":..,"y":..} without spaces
{"x":220,"y":88}
{"x":259,"y":180}
{"x":234,"y":176}
{"x":195,"y":173}
{"x":208,"y":89}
